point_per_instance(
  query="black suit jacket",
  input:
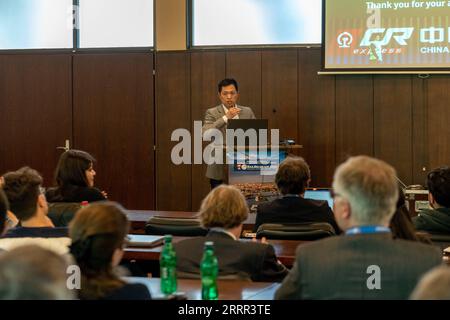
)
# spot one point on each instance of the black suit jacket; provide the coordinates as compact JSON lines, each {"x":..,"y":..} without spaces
{"x":253,"y":260}
{"x":294,"y":210}
{"x":340,"y":267}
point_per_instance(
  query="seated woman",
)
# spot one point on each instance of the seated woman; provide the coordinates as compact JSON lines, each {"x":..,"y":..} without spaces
{"x":292,"y":179}
{"x":98,"y":234}
{"x":401,"y":224}
{"x":75,"y":179}
{"x":222,"y":212}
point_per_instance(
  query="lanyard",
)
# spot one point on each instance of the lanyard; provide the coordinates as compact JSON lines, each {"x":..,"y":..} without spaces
{"x":367,"y":229}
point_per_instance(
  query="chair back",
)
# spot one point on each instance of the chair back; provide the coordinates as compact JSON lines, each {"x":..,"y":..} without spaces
{"x":295,"y":231}
{"x":187,"y":227}
{"x":439,"y":239}
{"x":61,"y":213}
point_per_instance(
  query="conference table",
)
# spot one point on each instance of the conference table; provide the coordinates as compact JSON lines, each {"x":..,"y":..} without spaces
{"x":284,"y":249}
{"x":228,"y":289}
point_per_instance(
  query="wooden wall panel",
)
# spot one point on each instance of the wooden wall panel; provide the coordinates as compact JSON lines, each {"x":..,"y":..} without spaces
{"x":316,"y":117}
{"x":207,"y":69}
{"x":173,"y":182}
{"x":245,"y":67}
{"x":35,"y":111}
{"x":114,"y":120}
{"x":393,"y":123}
{"x":279,"y":91}
{"x":420,"y":131}
{"x":354,"y":116}
{"x":438,"y":105}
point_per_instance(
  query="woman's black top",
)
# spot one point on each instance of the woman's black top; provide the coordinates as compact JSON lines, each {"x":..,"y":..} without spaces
{"x":74,"y":194}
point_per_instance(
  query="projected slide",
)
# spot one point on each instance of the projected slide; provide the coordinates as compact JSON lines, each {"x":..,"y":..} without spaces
{"x":387,"y":34}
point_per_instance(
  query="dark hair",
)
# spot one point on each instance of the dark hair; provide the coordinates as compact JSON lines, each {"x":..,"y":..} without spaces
{"x":22,"y":190}
{"x":401,"y":224}
{"x":438,"y":182}
{"x":71,"y":168}
{"x":227,"y":82}
{"x":96,"y":232}
{"x":4,"y":207}
{"x":292,"y":176}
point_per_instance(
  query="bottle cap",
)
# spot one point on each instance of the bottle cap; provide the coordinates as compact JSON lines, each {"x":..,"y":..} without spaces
{"x":84,"y":203}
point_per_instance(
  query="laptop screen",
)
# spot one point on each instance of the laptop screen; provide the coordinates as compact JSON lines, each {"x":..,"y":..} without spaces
{"x":320,"y":194}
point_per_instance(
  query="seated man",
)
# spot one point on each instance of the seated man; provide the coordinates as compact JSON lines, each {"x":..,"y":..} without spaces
{"x":222,"y":212}
{"x":23,"y":190}
{"x":33,"y":273}
{"x":366,"y":262}
{"x":292,"y":179}
{"x":436,"y":220}
{"x":434,"y":285}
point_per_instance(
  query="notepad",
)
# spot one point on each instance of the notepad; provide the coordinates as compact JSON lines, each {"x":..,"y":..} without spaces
{"x":138,"y":240}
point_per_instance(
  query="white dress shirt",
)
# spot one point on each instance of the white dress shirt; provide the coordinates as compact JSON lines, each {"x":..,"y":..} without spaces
{"x":225,"y":117}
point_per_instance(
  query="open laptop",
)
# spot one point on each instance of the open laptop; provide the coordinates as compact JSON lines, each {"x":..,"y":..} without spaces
{"x":320,"y":194}
{"x":138,"y":240}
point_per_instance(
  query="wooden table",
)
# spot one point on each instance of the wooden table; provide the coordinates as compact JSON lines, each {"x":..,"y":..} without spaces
{"x":284,"y":249}
{"x":138,"y":218}
{"x":228,"y":289}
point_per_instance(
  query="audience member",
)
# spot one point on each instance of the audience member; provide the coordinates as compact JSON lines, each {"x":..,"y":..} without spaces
{"x":75,"y":179}
{"x":366,"y":262}
{"x":10,"y":220}
{"x":98,"y":234}
{"x":434,"y":285}
{"x":222,"y":212}
{"x":4,"y":207}
{"x":401,"y":223}
{"x":292,"y":179}
{"x":33,"y":273}
{"x":24,"y":193}
{"x":437,"y":219}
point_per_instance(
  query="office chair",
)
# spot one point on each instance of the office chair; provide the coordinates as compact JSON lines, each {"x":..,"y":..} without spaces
{"x":61,"y":213}
{"x":295,"y":231}
{"x":187,"y":227}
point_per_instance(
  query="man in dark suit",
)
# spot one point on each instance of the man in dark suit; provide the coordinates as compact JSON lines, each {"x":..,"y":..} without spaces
{"x":436,"y":220}
{"x":366,"y":262}
{"x":217,"y":118}
{"x":292,"y":179}
{"x":223,"y":211}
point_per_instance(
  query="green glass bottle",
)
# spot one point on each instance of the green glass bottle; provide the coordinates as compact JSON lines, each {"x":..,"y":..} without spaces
{"x":209,"y":268}
{"x":168,"y":267}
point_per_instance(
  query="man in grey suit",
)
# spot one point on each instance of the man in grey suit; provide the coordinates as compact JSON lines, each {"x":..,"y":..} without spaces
{"x":366,"y":262}
{"x":217,"y":118}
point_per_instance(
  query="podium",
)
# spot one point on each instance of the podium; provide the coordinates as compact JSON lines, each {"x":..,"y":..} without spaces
{"x":253,"y":172}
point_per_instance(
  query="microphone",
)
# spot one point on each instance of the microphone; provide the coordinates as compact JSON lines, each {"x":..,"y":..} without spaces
{"x":401,"y":182}
{"x":410,"y":187}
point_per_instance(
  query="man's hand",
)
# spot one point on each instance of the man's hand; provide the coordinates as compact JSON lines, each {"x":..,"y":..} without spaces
{"x":232,"y":112}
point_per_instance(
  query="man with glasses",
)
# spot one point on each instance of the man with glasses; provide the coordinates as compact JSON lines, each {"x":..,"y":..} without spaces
{"x":27,"y":202}
{"x":437,"y":219}
{"x":366,"y":262}
{"x":217,"y":118}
